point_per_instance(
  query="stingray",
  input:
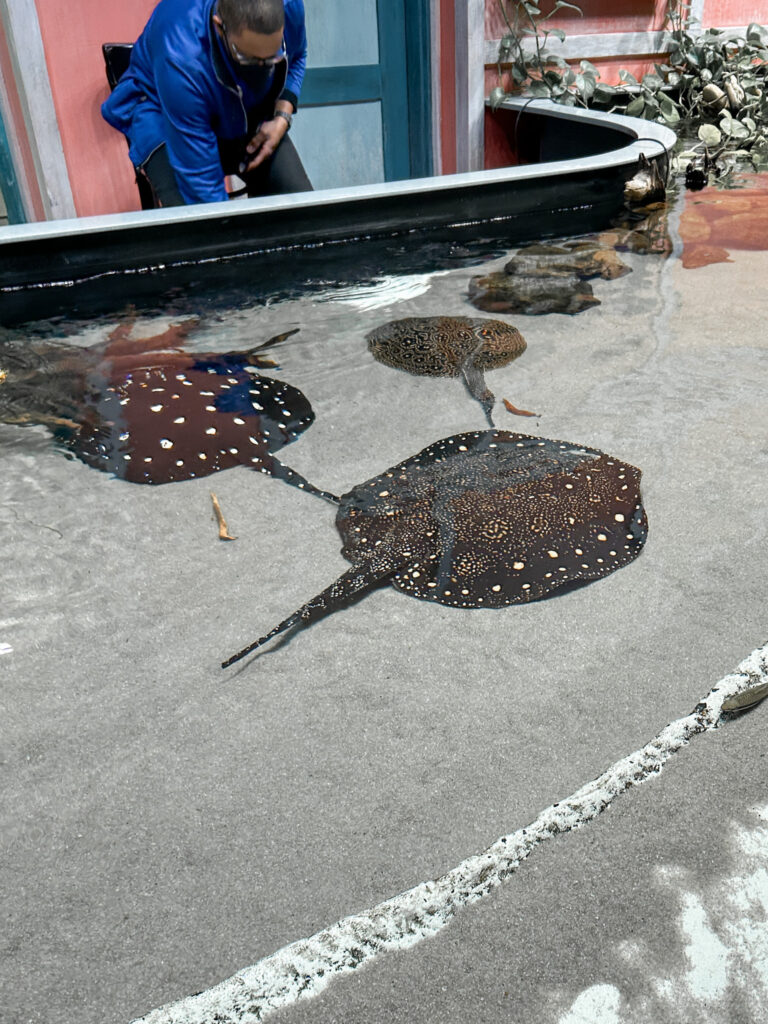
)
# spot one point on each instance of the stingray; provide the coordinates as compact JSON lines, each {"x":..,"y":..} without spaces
{"x":449,"y":346}
{"x":149,"y":412}
{"x":484,"y":519}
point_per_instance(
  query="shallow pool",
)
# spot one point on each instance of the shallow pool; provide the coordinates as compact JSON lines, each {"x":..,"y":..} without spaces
{"x":168,"y":823}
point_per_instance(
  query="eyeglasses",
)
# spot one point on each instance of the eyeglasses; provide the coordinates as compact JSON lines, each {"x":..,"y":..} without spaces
{"x":244,"y":60}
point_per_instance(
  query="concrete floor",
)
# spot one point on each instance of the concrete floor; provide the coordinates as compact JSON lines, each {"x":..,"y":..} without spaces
{"x":166,"y":824}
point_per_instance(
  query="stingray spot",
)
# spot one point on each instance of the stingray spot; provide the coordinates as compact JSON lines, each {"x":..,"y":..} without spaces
{"x":462,"y":448}
{"x":447,"y":593}
{"x":165,"y":443}
{"x":601,"y":560}
{"x":612,"y":553}
{"x":154,"y":390}
{"x":154,"y":408}
{"x":601,"y":536}
{"x":526,"y":586}
{"x":465,"y":592}
{"x":210,"y":408}
{"x":569,"y":487}
{"x":383,"y":494}
{"x":125,"y":401}
{"x":496,"y":588}
{"x":233,"y":451}
{"x":432,"y":585}
{"x":518,"y":565}
{"x":148,"y":458}
{"x":547,"y":575}
{"x":180,"y":376}
{"x":619,"y":517}
{"x":127,"y":458}
{"x":207,"y":394}
{"x":202,"y":456}
{"x":578,"y":551}
{"x":553,"y":554}
{"x":238,"y":421}
{"x":179,"y":462}
{"x":124,"y":436}
{"x":211,"y":430}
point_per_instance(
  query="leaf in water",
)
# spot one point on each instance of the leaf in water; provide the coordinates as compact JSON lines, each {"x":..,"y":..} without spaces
{"x":709,"y":135}
{"x":747,"y":698}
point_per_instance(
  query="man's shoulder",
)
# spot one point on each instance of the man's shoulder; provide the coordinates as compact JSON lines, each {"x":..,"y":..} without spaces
{"x":294,"y":11}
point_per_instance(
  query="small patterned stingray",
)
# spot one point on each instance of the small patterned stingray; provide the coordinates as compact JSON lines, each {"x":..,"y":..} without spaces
{"x":483,"y":520}
{"x":448,"y":346}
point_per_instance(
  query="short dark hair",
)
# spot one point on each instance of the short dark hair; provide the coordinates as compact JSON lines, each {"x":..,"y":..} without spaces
{"x":262,"y":16}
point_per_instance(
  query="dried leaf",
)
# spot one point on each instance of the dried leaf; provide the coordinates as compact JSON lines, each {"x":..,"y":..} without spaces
{"x":746,"y":698}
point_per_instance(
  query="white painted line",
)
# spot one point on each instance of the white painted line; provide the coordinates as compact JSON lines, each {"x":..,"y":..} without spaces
{"x":304,"y":968}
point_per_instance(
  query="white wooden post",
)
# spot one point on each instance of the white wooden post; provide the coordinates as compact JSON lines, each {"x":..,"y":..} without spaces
{"x":25,"y":43}
{"x":470,"y":84}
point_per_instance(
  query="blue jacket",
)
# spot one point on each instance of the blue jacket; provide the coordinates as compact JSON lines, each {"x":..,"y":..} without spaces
{"x":181,"y":88}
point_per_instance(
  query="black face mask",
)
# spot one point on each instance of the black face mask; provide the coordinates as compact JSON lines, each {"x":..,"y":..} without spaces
{"x":254,"y":76}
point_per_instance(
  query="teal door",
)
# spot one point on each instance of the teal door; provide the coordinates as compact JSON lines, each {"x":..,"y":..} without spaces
{"x":365,"y":104}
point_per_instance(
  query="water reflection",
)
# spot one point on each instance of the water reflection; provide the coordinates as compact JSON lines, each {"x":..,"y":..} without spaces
{"x":150,"y":412}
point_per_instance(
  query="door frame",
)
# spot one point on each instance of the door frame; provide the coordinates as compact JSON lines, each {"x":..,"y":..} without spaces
{"x":401,"y":82}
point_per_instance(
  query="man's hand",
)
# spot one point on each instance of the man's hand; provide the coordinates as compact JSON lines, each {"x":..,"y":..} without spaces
{"x":264,"y":143}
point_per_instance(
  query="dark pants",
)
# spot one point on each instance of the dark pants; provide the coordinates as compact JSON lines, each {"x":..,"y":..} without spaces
{"x":281,"y":173}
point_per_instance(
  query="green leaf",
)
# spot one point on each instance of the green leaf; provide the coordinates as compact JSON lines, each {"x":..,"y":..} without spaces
{"x":652,"y":82}
{"x":497,"y":97}
{"x":673,"y":79}
{"x":605,"y":93}
{"x":668,"y":110}
{"x":586,"y":66}
{"x":573,"y":7}
{"x":709,"y":135}
{"x":586,"y":85}
{"x":636,"y":107}
{"x":539,"y":89}
{"x":625,"y":76}
{"x":756,"y":33}
{"x":533,"y":10}
{"x":557,"y":33}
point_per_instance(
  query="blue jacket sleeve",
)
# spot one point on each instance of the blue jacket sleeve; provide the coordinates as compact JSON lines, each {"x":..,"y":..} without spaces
{"x":296,"y":47}
{"x":192,"y":145}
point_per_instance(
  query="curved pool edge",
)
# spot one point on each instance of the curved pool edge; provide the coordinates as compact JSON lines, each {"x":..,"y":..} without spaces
{"x":52,"y":258}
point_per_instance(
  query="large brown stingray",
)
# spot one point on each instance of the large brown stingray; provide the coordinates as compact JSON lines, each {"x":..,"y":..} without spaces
{"x":448,"y":346}
{"x":482,"y":520}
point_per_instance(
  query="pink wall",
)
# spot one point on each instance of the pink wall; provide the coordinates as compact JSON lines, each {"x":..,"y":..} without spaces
{"x":599,"y":16}
{"x":97,"y":156}
{"x":721,"y":13}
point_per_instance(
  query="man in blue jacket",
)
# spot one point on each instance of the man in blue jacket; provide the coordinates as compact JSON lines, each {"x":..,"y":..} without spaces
{"x":211,"y":90}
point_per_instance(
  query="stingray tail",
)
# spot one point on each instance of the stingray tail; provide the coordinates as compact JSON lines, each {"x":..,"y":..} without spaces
{"x":278,"y":469}
{"x":347,"y":586}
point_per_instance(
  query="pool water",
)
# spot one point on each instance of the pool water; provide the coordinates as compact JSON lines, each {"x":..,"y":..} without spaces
{"x":167,"y":823}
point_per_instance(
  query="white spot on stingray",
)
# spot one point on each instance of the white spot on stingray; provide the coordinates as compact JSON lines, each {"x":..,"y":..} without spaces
{"x":180,"y":419}
{"x":619,"y":517}
{"x":518,"y":565}
{"x":155,"y":408}
{"x":210,"y":408}
{"x":165,"y":443}
{"x":124,"y":436}
{"x":202,"y":456}
{"x":210,"y":430}
{"x":179,"y":462}
{"x":239,"y":421}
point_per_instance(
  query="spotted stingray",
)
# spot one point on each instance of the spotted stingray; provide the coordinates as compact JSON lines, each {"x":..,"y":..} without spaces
{"x":482,"y":520}
{"x":449,"y":346}
{"x":150,"y":412}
